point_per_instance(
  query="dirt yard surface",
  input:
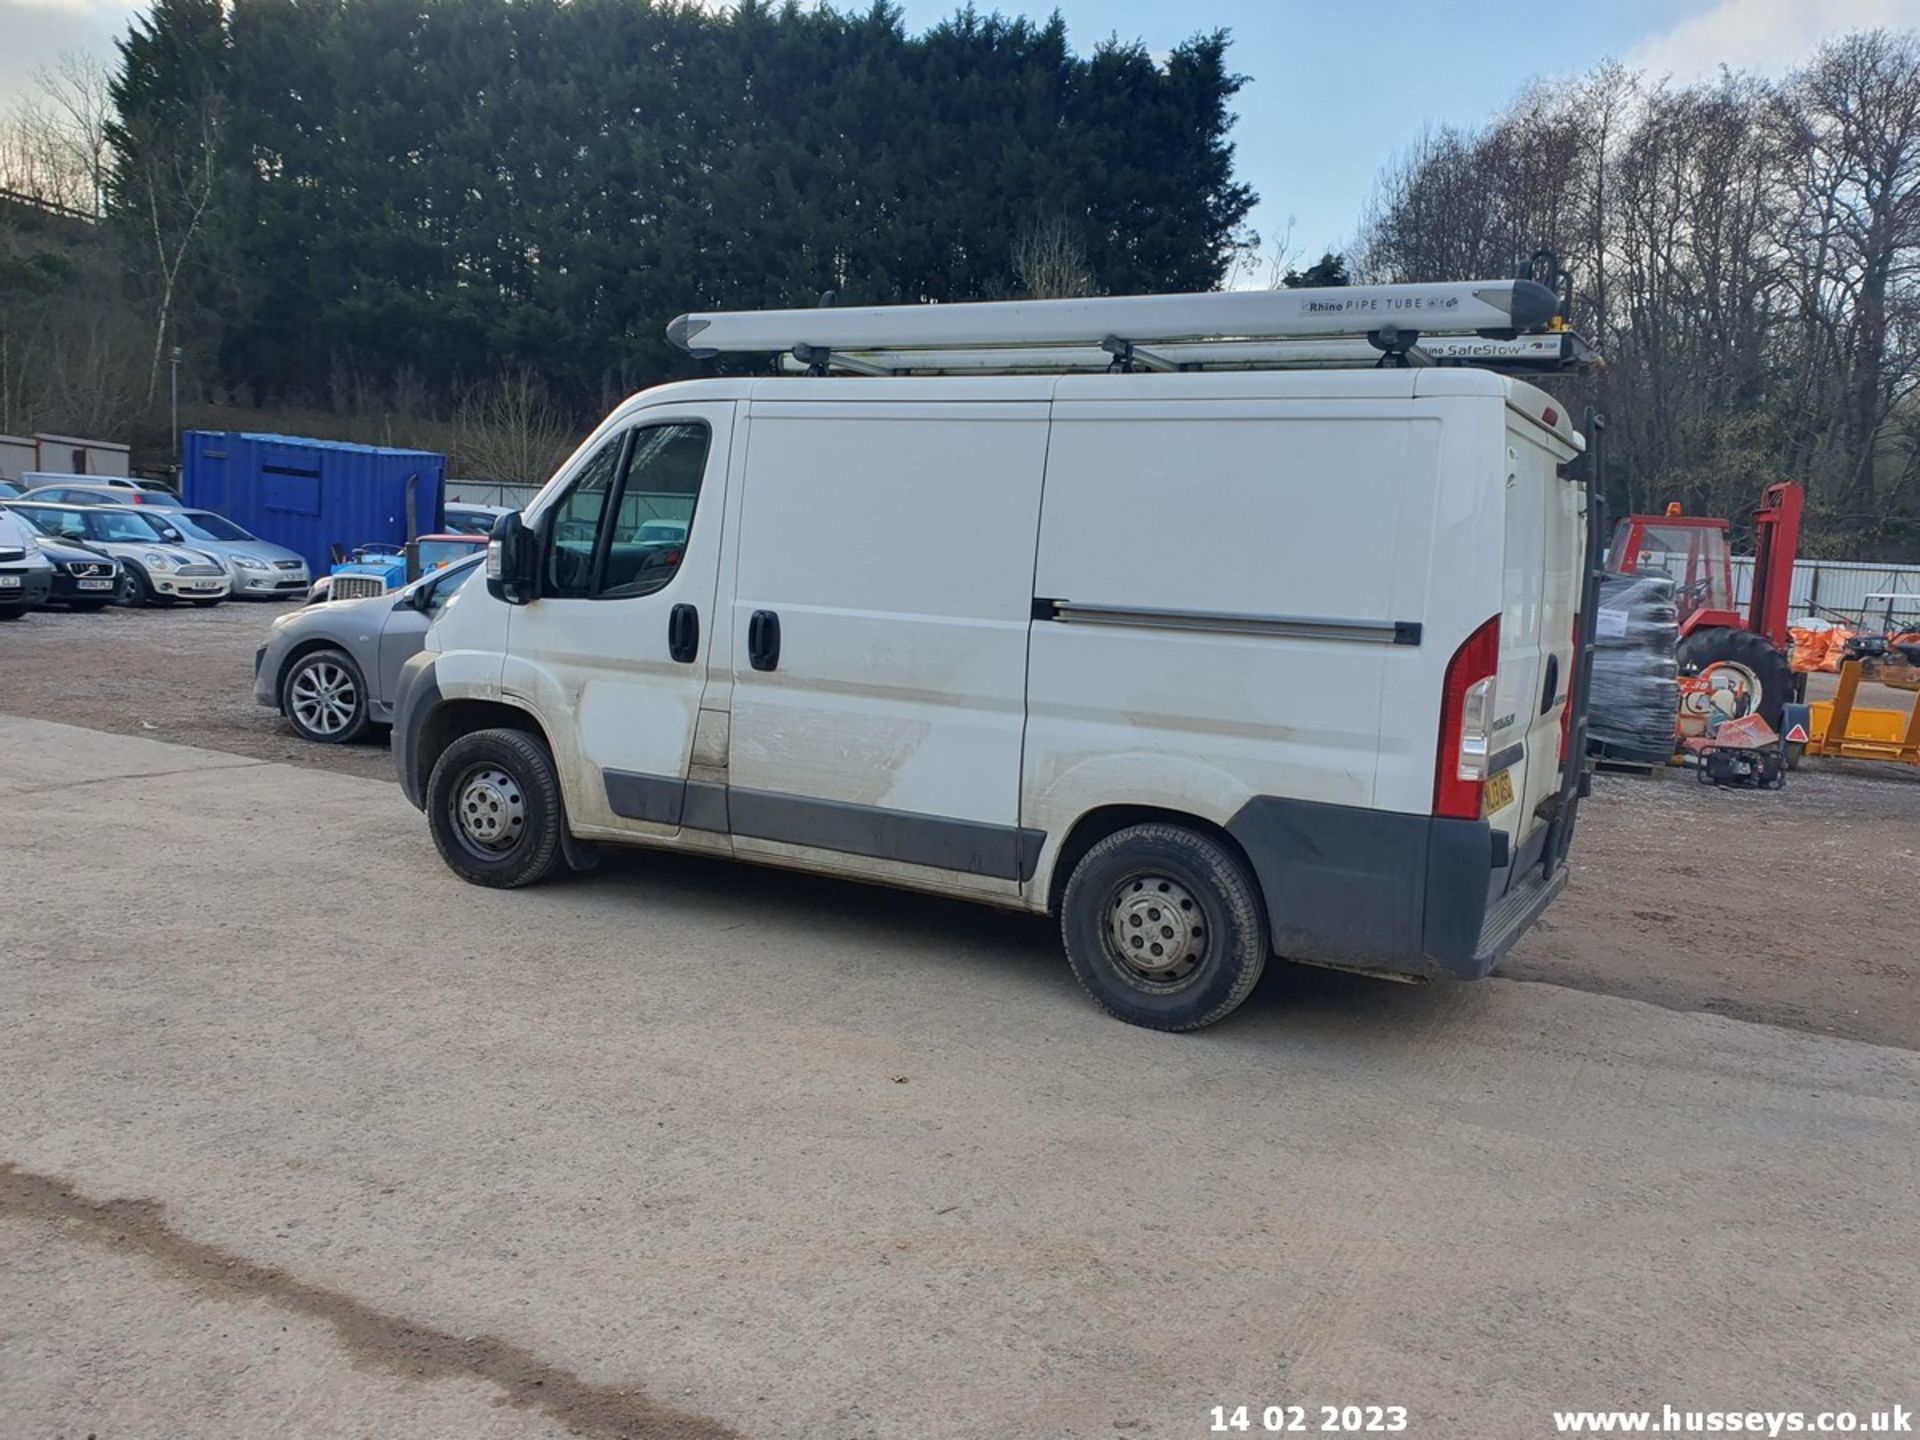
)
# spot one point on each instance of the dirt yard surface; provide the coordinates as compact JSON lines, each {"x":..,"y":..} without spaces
{"x":301,"y":1136}
{"x":181,"y":674}
{"x":1788,"y":907}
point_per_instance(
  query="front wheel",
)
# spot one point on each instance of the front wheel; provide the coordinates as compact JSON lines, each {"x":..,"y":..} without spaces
{"x":494,"y":806}
{"x":134,"y":589}
{"x":1164,"y":927}
{"x":324,"y":697}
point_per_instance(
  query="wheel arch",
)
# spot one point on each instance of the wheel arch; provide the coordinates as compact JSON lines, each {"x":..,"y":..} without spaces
{"x":1103,"y":820}
{"x":448,"y":720}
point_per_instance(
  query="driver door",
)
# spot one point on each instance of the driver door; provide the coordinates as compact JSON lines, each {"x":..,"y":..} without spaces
{"x":612,"y":654}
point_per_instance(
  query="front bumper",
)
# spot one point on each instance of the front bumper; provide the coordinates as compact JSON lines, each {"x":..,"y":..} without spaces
{"x":176,"y":586}
{"x":272,"y":584}
{"x":84,"y":589}
{"x":415,"y":697}
{"x":29,"y":587}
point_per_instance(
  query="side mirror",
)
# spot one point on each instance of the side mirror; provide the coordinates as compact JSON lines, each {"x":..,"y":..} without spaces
{"x":513,"y":561}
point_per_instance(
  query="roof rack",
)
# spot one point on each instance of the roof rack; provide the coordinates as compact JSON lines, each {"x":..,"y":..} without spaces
{"x":1495,"y":324}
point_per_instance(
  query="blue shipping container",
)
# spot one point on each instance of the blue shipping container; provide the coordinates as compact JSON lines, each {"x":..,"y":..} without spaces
{"x":310,"y":495}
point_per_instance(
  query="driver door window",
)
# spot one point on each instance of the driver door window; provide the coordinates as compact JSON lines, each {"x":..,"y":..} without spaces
{"x":573,"y":539}
{"x":622,"y":530}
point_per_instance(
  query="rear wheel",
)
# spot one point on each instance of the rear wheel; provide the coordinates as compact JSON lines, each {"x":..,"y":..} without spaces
{"x":494,"y":806}
{"x":324,"y":697}
{"x":1163,"y":927}
{"x":1747,"y":675}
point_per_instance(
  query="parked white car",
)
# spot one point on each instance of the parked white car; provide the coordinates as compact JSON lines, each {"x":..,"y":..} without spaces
{"x":26,"y":576}
{"x":1213,"y":666}
{"x":62,"y":489}
{"x":160,"y":567}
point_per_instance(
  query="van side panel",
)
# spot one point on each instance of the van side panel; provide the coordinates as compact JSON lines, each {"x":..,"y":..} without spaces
{"x":895,"y":544}
{"x":1302,"y":523}
{"x":1550,"y":565}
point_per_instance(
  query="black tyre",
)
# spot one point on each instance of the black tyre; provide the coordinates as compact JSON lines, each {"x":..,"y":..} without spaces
{"x":494,"y":806}
{"x":324,"y":697}
{"x":1749,"y":673}
{"x":1164,"y":927}
{"x":134,"y":589}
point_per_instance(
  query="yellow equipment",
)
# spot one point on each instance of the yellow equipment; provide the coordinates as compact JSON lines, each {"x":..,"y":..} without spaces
{"x":1841,"y":729}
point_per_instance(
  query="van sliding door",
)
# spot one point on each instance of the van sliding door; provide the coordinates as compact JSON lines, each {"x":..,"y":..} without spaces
{"x":882,"y":603}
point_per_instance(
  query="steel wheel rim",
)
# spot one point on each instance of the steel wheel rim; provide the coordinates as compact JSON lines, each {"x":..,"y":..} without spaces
{"x":324,"y":698}
{"x":489,"y":809}
{"x":1156,"y":930}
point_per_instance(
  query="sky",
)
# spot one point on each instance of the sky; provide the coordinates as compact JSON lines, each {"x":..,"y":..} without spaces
{"x":1334,"y":91}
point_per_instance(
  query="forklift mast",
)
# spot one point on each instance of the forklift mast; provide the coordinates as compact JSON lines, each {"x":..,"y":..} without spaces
{"x":1776,"y":544}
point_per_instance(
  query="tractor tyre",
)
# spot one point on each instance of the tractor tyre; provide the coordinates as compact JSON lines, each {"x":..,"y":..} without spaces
{"x":1742,"y":663}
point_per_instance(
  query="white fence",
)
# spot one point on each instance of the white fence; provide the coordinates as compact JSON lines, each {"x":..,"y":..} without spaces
{"x":1835,"y":589}
{"x":481,"y":492}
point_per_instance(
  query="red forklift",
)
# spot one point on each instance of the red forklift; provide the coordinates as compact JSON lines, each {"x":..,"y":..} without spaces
{"x":1731,"y":665}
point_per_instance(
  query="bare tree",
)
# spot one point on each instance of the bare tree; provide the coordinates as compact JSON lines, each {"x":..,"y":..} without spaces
{"x":76,"y":98}
{"x":1856,"y":134}
{"x":168,"y":183}
{"x":53,"y":144}
{"x":508,"y":430}
{"x":1747,"y":255}
{"x":1050,"y":261}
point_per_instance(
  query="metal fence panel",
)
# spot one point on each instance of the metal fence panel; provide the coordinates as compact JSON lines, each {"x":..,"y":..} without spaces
{"x":483,"y":492}
{"x":1832,"y":589}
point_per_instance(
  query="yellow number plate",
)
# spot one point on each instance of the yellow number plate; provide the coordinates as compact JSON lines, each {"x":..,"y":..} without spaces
{"x":1499,"y":793}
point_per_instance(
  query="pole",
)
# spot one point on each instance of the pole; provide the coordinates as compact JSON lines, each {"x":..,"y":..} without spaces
{"x":173,"y":363}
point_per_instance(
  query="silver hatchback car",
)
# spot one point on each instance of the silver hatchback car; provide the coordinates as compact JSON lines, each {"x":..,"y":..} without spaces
{"x":331,"y":669}
{"x":259,"y":569}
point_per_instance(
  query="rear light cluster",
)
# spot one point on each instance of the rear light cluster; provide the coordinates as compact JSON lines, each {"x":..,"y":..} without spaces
{"x":1466,"y":725}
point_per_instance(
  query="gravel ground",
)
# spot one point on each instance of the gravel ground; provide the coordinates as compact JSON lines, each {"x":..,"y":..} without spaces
{"x":299,"y":1135}
{"x":1791,"y":907}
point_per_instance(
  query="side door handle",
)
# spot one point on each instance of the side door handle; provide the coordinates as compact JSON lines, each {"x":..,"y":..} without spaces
{"x":763,"y":640}
{"x":683,"y":633}
{"x":1552,"y":689}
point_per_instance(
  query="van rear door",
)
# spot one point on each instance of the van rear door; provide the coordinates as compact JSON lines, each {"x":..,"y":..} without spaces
{"x":1540,"y":601}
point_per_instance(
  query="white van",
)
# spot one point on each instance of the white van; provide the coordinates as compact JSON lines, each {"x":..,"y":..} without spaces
{"x":1214,"y":666}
